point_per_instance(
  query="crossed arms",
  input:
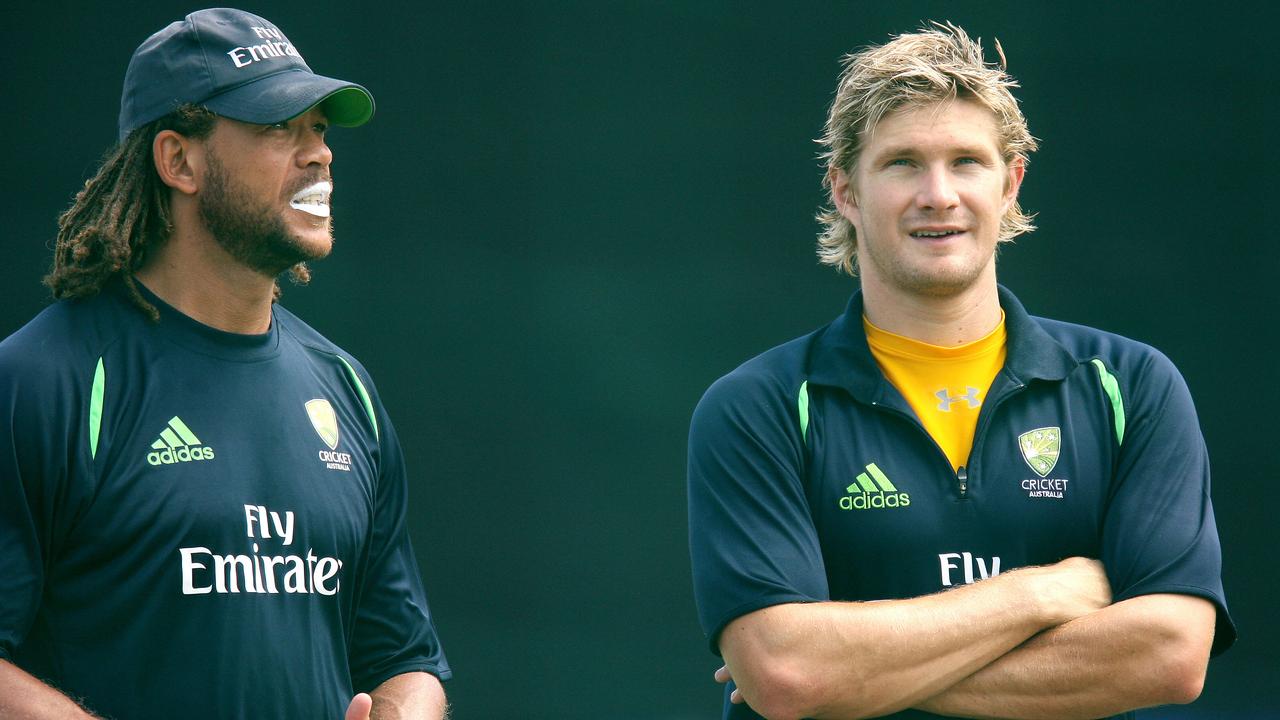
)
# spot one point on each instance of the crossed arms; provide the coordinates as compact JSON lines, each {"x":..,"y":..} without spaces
{"x":1040,"y":642}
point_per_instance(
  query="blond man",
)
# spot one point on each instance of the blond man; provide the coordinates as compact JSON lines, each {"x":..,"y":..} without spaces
{"x":939,"y":505}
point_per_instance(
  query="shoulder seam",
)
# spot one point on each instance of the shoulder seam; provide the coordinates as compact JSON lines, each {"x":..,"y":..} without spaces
{"x":95,"y":407}
{"x":1111,"y":387}
{"x":364,"y":394}
{"x":802,"y":402}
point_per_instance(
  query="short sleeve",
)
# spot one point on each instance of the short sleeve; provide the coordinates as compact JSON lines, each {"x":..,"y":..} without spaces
{"x":20,"y":554}
{"x":751,"y":536}
{"x":1160,"y":535}
{"x":394,"y":631}
{"x":38,"y":456}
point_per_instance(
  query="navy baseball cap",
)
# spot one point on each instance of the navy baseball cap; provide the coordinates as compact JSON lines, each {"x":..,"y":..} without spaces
{"x":237,"y":65}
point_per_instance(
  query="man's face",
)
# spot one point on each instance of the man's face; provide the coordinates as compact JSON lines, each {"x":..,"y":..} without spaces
{"x":926,"y":199}
{"x":265,"y":197}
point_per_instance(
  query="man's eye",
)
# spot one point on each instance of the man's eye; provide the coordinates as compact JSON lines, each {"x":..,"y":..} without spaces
{"x":282,"y":125}
{"x":899,"y":162}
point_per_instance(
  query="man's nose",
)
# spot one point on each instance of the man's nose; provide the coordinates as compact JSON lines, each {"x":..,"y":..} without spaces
{"x":315,"y":151}
{"x":937,"y":190}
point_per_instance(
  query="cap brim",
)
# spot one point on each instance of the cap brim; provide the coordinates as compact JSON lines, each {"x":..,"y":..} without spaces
{"x":288,"y":94}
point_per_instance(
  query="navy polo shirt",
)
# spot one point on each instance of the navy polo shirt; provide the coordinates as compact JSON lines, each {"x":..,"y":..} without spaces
{"x":201,"y":524}
{"x":811,"y":479}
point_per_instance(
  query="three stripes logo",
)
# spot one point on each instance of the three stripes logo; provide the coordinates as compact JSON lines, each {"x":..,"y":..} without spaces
{"x":872,"y":490}
{"x":177,"y":444}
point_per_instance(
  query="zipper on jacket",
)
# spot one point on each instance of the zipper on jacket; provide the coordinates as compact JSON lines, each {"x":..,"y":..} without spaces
{"x":984,"y":419}
{"x":962,"y":477}
{"x":964,"y":483}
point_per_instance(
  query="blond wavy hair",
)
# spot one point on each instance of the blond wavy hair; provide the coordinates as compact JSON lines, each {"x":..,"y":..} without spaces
{"x":937,"y":63}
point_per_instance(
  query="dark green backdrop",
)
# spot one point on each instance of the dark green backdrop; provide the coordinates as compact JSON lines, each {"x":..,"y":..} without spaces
{"x":567,"y":219}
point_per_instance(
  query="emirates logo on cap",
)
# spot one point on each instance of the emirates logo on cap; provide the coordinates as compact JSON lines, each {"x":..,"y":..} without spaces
{"x":236,"y":65}
{"x":276,"y":46}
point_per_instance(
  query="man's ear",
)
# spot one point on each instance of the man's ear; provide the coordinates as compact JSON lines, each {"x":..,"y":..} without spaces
{"x":179,"y":161}
{"x":1012,"y":182}
{"x":842,"y":195}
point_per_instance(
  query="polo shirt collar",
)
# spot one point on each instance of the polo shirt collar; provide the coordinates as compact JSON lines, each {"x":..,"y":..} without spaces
{"x":841,"y":357}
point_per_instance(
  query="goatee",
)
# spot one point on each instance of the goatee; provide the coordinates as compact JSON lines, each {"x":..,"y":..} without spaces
{"x":252,"y":232}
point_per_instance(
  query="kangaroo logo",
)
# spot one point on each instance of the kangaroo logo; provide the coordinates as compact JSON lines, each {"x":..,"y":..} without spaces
{"x":1040,"y":448}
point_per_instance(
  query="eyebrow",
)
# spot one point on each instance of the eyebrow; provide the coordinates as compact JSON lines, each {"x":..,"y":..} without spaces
{"x":913,"y":150}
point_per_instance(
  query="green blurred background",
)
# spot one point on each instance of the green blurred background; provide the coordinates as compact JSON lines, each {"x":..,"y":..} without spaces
{"x":567,"y":219}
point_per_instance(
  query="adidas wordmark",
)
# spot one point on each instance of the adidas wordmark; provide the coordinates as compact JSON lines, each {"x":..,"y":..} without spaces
{"x":177,"y":444}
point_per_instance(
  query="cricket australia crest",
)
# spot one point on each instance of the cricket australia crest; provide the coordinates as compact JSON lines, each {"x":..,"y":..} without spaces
{"x":325,"y":421}
{"x":1040,"y":448}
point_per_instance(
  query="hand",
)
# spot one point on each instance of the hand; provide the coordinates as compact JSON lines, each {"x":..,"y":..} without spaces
{"x":359,"y":708}
{"x":723,"y":676}
{"x":1071,"y":588}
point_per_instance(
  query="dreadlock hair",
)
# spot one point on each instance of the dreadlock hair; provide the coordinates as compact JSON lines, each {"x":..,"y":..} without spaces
{"x":122,"y":215}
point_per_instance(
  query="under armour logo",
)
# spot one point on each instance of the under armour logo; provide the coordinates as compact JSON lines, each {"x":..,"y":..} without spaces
{"x":945,"y":400}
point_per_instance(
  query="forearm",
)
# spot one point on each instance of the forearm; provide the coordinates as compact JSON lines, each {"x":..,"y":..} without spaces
{"x":844,"y":660}
{"x":24,"y":697}
{"x":409,"y":696}
{"x":1150,"y":650}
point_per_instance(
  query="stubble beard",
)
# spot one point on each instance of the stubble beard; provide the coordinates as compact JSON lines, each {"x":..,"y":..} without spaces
{"x":924,"y":280}
{"x":252,"y":232}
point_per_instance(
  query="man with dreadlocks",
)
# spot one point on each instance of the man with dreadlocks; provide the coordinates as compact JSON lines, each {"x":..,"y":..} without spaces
{"x":202,"y":500}
{"x":938,"y":505}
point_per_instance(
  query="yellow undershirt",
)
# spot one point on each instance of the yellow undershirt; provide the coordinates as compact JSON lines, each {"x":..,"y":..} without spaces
{"x":944,"y":385}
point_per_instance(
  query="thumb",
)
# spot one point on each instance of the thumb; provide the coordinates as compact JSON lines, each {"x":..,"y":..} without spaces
{"x":359,"y":708}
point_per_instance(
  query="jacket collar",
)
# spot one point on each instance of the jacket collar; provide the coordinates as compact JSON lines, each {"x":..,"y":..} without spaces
{"x":841,"y":358}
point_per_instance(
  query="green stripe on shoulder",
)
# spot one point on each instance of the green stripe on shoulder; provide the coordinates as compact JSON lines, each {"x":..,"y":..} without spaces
{"x":364,"y":395}
{"x":803,"y":404}
{"x":1112,"y":388}
{"x":95,"y":407}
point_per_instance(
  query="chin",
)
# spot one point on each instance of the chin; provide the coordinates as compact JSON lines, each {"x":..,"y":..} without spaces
{"x":313,"y":244}
{"x":942,"y":282}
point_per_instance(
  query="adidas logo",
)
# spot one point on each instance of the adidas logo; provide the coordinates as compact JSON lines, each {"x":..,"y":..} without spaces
{"x":177,"y":444}
{"x":873,"y":491}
